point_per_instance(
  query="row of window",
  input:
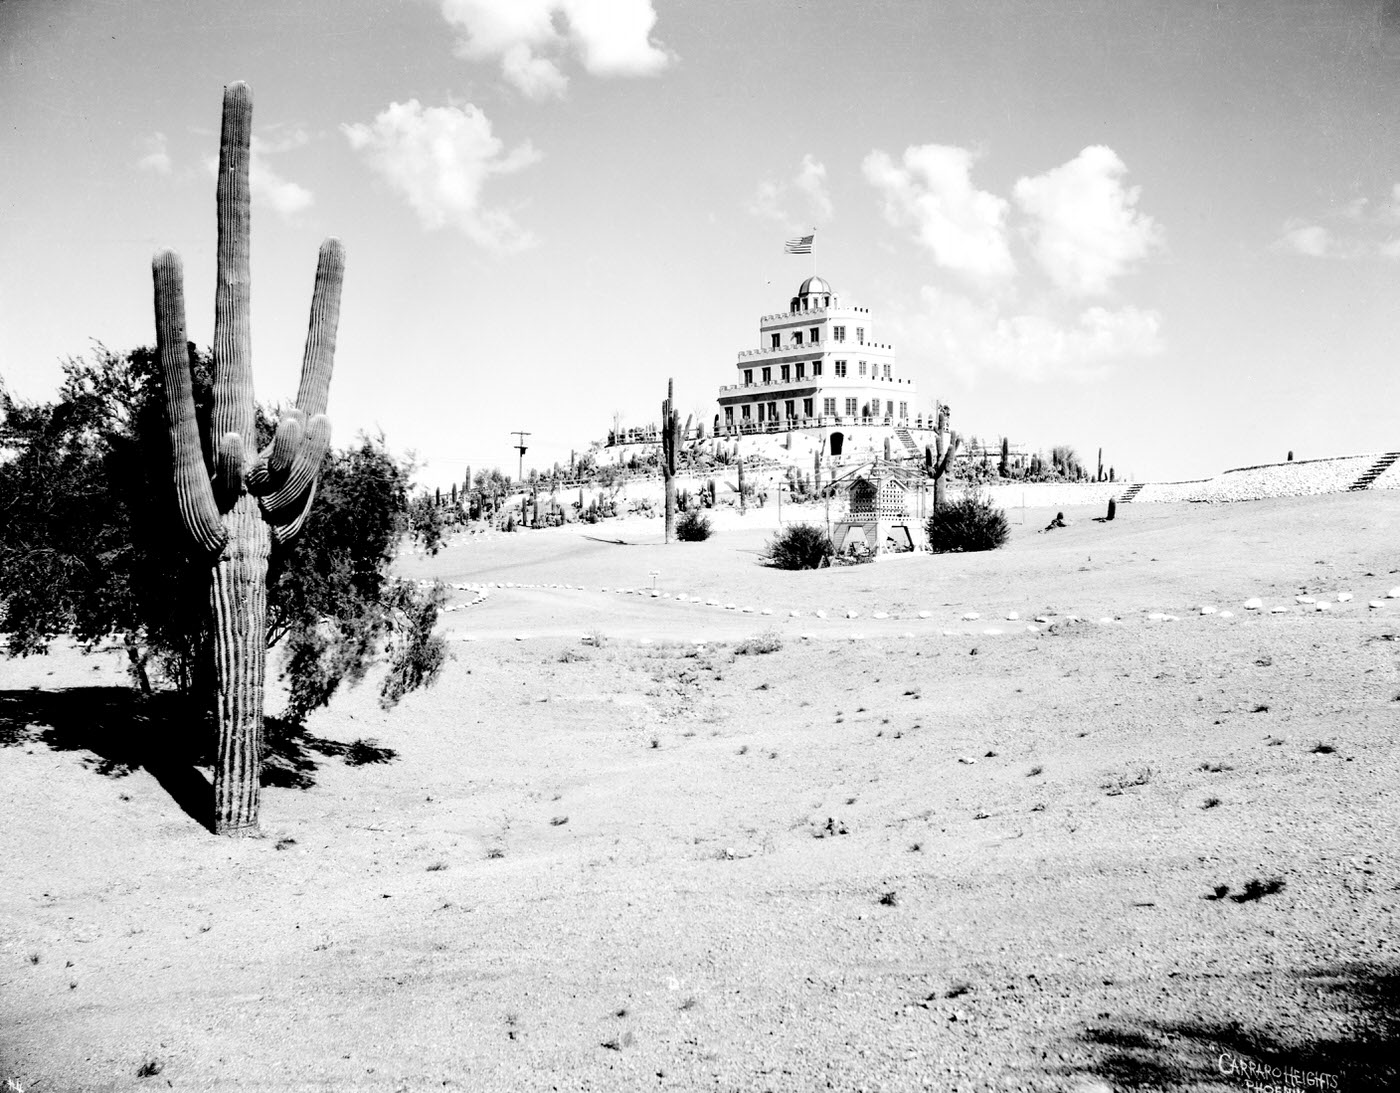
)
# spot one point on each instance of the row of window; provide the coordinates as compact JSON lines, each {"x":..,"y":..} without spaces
{"x":838,"y":333}
{"x":768,"y":411}
{"x":787,"y":372}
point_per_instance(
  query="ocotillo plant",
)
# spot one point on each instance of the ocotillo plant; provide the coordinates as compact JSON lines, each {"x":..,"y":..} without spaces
{"x":670,"y":441}
{"x":944,"y":458}
{"x":251,"y":499}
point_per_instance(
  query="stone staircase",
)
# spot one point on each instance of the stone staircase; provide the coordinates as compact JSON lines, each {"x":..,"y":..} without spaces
{"x":908,"y":441}
{"x":1374,"y":471}
{"x":1131,"y":492}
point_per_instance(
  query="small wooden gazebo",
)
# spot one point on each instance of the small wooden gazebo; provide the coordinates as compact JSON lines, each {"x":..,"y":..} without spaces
{"x":885,"y":509}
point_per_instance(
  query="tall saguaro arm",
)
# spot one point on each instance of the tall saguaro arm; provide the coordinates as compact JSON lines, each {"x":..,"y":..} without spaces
{"x":193,"y":492}
{"x":234,"y":511}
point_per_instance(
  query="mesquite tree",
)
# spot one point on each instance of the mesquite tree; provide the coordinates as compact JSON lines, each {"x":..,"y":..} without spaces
{"x":670,"y":441}
{"x":249,"y":500}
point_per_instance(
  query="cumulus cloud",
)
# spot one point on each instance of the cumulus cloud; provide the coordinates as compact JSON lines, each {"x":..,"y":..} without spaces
{"x":1358,"y":229}
{"x":438,"y":159}
{"x":1085,"y":229}
{"x":774,"y":200}
{"x":931,"y":189}
{"x":970,"y":337}
{"x":1300,"y":237}
{"x":154,"y":156}
{"x":530,"y":38}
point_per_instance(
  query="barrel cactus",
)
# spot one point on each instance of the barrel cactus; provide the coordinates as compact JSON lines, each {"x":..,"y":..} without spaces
{"x":234,"y":511}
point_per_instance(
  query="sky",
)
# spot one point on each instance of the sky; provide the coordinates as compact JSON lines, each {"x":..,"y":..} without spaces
{"x":1169,"y":229}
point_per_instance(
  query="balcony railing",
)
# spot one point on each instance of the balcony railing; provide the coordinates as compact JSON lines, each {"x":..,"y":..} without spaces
{"x":822,"y":381}
{"x":815,"y":347}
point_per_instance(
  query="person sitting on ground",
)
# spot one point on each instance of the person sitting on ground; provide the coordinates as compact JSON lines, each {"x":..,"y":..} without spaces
{"x":1058,"y":522}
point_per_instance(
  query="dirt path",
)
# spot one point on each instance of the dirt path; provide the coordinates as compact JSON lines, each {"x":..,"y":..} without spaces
{"x":956,"y":860}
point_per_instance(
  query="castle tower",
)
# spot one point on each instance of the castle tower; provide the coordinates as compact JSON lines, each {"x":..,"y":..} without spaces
{"x":816,"y":365}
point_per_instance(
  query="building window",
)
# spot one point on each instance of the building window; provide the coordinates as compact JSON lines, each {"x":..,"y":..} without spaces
{"x":903,"y":410}
{"x":862,"y":368}
{"x":829,"y":406}
{"x":797,"y":337}
{"x":728,"y":416}
{"x":838,"y":333}
{"x":841,"y":369}
{"x":768,"y":375}
{"x":761,"y":408}
{"x":748,"y":376}
{"x":806,"y":407}
{"x":816,"y":335}
{"x":889,"y":409}
{"x":744,"y":411}
{"x":816,"y":368}
{"x":860,"y":335}
{"x":850,"y":407}
{"x":801,"y":370}
{"x":786,"y":373}
{"x":887,"y":371}
{"x":777,"y":340}
{"x":790,"y":408}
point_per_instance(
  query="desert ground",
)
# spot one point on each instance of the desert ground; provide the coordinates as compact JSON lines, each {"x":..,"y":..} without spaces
{"x":1130,"y":846}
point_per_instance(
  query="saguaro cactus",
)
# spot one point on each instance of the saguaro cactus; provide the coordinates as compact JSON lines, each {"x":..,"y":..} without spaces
{"x":943,"y":460}
{"x":742,"y":500}
{"x":670,"y":441}
{"x":249,"y":500}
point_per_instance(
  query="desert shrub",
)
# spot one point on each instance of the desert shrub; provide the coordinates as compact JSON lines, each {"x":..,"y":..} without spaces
{"x":770,"y":641}
{"x":693,"y":526}
{"x":799,"y":546}
{"x":970,"y":523}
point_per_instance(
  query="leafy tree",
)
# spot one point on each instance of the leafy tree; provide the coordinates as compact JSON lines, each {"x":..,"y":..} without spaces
{"x":89,"y":545}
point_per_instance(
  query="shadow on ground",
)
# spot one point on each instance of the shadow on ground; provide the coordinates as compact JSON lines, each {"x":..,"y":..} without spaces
{"x":165,"y":736}
{"x":1361,"y":1001}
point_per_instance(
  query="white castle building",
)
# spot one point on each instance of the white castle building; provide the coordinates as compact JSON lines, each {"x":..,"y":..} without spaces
{"x":818,"y":365}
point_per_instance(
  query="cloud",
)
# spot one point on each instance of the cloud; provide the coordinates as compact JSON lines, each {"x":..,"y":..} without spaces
{"x":154,"y":155}
{"x":969,"y":337}
{"x":1300,"y":237}
{"x":614,"y":36}
{"x":932,"y":189}
{"x":1085,"y":229}
{"x":772,"y":199}
{"x":530,"y":38}
{"x":1357,"y":229}
{"x":438,"y":159}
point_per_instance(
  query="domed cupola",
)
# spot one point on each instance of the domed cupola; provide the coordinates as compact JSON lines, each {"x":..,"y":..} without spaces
{"x":813,"y":293}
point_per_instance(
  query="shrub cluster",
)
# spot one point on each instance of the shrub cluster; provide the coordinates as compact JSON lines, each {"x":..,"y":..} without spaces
{"x":969,"y":523}
{"x":799,"y":546}
{"x":693,"y":526}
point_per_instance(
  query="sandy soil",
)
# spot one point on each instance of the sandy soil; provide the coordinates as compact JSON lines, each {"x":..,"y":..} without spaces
{"x":895,"y":853}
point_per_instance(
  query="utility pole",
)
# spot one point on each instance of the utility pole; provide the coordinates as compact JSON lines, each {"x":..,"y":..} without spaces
{"x":520,"y":447}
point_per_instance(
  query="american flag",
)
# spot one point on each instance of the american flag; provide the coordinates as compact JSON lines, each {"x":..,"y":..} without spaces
{"x":801,"y":245}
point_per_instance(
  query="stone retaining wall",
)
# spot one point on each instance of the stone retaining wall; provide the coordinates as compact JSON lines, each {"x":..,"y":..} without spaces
{"x":1301,"y":478}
